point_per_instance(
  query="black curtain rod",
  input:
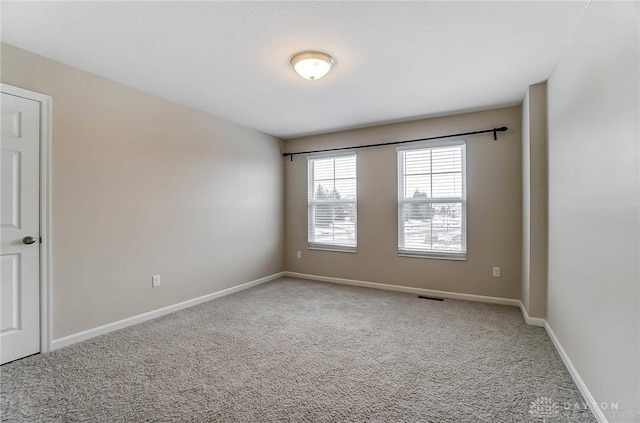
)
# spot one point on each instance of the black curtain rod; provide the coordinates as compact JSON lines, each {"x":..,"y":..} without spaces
{"x":461,"y":134}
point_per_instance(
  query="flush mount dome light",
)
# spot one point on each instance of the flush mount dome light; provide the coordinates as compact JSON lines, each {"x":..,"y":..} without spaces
{"x":312,"y":65}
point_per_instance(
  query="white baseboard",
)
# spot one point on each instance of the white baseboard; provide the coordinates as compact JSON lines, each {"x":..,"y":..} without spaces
{"x":533,"y":321}
{"x":411,"y":290}
{"x":586,"y":394}
{"x":120,"y":324}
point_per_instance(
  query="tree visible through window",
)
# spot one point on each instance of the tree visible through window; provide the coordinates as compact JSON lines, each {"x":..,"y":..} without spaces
{"x":432,"y":201}
{"x":332,"y":202}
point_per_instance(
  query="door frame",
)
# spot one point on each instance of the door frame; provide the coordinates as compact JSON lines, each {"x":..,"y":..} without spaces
{"x":46,"y":246}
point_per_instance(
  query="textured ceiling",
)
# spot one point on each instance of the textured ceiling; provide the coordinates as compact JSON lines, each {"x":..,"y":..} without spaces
{"x":394,"y":60}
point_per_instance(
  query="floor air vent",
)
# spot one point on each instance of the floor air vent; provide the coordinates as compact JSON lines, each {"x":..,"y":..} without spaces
{"x":430,"y":298}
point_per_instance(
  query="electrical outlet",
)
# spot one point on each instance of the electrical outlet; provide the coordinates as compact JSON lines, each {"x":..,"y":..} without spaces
{"x":496,"y":272}
{"x":155,"y":281}
{"x":299,"y":254}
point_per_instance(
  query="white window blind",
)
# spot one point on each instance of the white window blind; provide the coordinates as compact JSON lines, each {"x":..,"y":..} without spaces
{"x":332,"y":202}
{"x":432,"y":201}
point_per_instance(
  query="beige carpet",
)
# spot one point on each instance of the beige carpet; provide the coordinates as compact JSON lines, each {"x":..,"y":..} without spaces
{"x":301,"y":351}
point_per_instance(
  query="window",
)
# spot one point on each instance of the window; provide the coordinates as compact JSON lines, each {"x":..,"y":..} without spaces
{"x":432,"y":205}
{"x":332,"y":202}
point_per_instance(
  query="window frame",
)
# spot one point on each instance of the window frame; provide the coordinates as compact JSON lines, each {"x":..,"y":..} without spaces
{"x":310,"y":210}
{"x":432,"y":254}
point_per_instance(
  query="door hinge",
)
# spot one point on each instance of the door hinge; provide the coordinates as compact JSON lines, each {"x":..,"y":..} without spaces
{"x":40,"y":240}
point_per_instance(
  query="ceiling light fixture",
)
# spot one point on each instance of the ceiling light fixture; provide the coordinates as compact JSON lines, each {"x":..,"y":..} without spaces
{"x":312,"y":65}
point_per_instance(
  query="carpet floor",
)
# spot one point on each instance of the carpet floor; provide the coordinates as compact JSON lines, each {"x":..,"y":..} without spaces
{"x":301,"y":351}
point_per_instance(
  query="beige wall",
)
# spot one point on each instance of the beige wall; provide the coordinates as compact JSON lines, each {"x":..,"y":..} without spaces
{"x":494,"y":209}
{"x":526,"y":195}
{"x":594,"y":206}
{"x":144,"y":186}
{"x":534,"y":200}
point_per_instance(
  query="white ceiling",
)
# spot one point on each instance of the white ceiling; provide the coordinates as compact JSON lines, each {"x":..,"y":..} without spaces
{"x":394,"y":60}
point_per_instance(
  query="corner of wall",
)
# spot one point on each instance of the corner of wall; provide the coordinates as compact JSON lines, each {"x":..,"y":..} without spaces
{"x":535,"y":201}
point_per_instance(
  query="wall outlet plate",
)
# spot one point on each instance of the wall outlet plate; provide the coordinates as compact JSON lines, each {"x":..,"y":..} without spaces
{"x":155,"y":281}
{"x":299,"y":254}
{"x":496,"y":272}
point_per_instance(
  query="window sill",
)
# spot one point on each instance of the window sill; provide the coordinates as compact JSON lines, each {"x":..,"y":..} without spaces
{"x":455,"y":257}
{"x":332,"y":248}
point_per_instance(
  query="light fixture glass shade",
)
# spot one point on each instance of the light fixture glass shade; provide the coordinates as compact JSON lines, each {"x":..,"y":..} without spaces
{"x":312,"y":65}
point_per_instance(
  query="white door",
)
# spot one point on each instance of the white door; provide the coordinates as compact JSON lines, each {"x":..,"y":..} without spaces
{"x":20,"y":228}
